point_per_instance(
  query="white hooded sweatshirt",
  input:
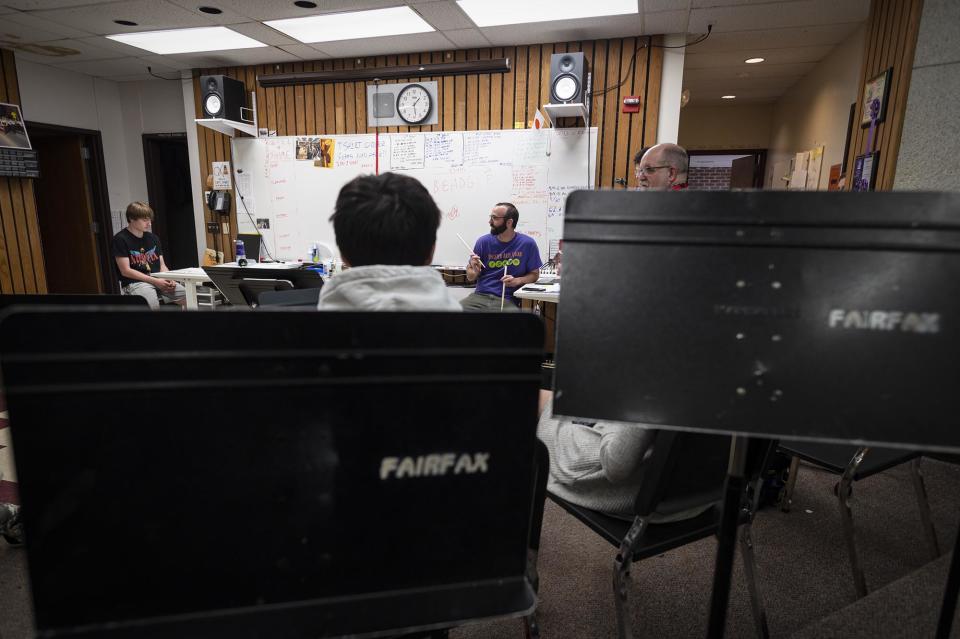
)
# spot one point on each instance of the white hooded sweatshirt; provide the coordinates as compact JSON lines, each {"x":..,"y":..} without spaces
{"x":382,"y":287}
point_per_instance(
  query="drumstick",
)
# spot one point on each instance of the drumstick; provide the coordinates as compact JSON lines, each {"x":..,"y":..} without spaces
{"x":465,"y":244}
{"x":503,"y":289}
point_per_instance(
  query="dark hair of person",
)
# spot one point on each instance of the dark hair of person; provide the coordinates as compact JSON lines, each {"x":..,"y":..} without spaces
{"x":639,"y":154}
{"x":385,"y":219}
{"x":511,"y":213}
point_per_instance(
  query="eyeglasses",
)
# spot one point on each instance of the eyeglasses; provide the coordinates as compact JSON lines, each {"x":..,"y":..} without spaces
{"x":650,"y":170}
{"x":497,"y":217}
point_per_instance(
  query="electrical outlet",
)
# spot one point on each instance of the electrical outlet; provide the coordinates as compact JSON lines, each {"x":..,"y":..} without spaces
{"x":226,"y":228}
{"x":213,"y":227}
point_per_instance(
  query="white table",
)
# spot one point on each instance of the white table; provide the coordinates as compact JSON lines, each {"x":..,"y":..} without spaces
{"x":191,"y":278}
{"x":551,"y":292}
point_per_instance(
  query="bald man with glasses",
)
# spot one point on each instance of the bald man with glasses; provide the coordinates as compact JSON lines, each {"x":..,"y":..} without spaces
{"x":661,"y":168}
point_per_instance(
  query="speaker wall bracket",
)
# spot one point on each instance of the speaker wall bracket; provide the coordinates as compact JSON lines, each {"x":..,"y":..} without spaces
{"x":230,"y":127}
{"x":577,"y":110}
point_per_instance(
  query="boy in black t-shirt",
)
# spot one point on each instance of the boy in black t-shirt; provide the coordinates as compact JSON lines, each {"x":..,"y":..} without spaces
{"x":139,"y":257}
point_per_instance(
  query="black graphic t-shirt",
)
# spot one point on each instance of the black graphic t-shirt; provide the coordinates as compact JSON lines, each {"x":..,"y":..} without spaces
{"x":144,"y":252}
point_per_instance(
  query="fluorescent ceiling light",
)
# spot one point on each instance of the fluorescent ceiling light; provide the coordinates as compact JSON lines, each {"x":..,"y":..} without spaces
{"x":490,"y":13}
{"x":349,"y":26}
{"x":753,"y":60}
{"x":727,"y":97}
{"x":188,"y":40}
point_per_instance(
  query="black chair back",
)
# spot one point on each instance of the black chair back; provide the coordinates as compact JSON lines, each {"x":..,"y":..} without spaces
{"x":12,"y":299}
{"x":684,"y":470}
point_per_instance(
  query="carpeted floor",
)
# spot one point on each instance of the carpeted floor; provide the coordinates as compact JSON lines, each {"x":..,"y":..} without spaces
{"x":801,"y":557}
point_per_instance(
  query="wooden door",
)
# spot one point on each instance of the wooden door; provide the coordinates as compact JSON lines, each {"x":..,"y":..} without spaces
{"x":742,"y":172}
{"x":65,"y":213}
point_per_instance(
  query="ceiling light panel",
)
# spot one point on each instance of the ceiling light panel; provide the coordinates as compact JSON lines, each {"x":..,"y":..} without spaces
{"x":187,"y":40}
{"x":490,"y":13}
{"x":332,"y":27}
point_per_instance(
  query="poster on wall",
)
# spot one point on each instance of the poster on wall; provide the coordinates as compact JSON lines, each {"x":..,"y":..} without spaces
{"x":876,"y":93}
{"x":221,"y":176}
{"x":864,"y":171}
{"x":13,"y":130}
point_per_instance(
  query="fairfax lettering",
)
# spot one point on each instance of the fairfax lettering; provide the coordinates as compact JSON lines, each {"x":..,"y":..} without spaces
{"x":904,"y":321}
{"x":434,"y":465}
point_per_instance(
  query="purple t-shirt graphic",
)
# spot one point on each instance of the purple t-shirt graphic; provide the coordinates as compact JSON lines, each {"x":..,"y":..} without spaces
{"x":520,"y":255}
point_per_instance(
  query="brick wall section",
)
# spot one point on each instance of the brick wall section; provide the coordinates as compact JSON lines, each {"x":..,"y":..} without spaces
{"x":709,"y":178}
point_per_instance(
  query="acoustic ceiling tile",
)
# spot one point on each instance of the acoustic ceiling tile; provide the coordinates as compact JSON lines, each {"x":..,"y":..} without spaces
{"x":279,"y":9}
{"x":389,"y":45}
{"x":563,"y":30}
{"x":150,"y":15}
{"x":28,"y":27}
{"x":466,"y":38}
{"x":443,"y":16}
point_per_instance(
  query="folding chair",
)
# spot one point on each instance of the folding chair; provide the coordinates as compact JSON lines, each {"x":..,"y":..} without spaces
{"x":853,"y":464}
{"x":684,"y":471}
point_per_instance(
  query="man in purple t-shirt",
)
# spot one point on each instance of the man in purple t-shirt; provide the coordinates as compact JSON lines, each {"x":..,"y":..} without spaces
{"x":503,"y":247}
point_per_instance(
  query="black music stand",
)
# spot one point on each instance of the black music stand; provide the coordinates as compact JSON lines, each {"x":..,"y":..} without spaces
{"x":818,"y":316}
{"x":228,"y":279}
{"x":329,"y":499}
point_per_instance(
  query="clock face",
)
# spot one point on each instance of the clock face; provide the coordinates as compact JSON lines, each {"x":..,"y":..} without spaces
{"x":212,"y":104}
{"x":414,"y":104}
{"x":565,"y":88}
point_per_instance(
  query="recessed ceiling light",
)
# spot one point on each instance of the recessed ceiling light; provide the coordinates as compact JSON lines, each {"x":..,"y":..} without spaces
{"x":490,"y":13}
{"x":306,"y":4}
{"x":753,"y":60}
{"x":210,"y":10}
{"x":126,"y":23}
{"x":727,"y":97}
{"x":352,"y":25}
{"x":187,"y":40}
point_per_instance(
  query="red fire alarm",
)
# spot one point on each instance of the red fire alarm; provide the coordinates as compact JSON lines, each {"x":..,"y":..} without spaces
{"x":631,"y":104}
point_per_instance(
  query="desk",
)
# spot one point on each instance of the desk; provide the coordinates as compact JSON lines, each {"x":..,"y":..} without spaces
{"x":543,"y":303}
{"x":191,"y":278}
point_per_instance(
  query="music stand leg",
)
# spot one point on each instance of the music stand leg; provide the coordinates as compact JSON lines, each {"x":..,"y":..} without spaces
{"x":950,"y":593}
{"x":727,"y":536}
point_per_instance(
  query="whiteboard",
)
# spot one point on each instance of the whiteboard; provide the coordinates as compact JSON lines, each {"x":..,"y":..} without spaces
{"x":291,"y":200}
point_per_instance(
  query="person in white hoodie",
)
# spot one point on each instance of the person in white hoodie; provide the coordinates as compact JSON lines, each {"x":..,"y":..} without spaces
{"x":386,"y":230}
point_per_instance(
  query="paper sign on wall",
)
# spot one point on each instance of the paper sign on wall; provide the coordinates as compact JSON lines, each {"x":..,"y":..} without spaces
{"x":221,"y":176}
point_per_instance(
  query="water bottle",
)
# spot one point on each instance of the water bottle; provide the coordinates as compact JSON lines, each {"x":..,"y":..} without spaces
{"x":241,"y":254}
{"x":315,"y":253}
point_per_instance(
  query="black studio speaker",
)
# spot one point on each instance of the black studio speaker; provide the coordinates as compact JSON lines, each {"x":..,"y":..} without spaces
{"x":222,"y":97}
{"x":568,"y":78}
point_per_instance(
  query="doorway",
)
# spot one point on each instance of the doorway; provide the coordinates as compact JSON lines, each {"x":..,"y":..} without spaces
{"x":72,"y":209}
{"x":724,"y":170}
{"x":167,"y":164}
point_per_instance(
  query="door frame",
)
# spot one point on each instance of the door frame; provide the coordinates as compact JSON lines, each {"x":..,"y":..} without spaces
{"x":99,"y":195}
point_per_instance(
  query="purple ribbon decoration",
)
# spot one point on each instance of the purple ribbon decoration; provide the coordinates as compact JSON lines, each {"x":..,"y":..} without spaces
{"x":874,"y":114}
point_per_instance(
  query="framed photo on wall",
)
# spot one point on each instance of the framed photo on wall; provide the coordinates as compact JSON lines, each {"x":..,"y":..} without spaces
{"x":877,"y":89}
{"x":865,"y":171}
{"x":13,"y":130}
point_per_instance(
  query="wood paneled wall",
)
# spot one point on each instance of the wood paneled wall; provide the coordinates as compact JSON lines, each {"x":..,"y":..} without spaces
{"x":892,"y":30}
{"x":21,"y":256}
{"x":466,"y":102}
